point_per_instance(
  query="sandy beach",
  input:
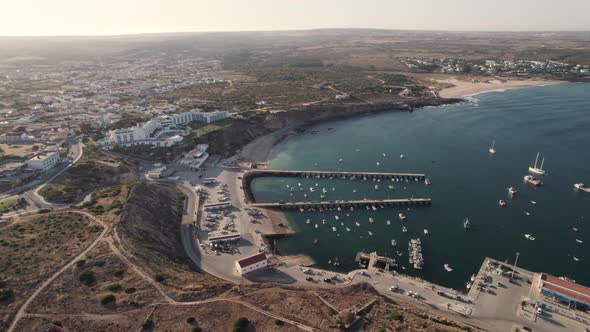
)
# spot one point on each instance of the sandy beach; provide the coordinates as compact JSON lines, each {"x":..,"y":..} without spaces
{"x":466,"y":88}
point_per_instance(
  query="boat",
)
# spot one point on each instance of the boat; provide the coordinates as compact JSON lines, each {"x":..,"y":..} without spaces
{"x":576,"y":259}
{"x":472,"y":278}
{"x":402,"y":216}
{"x":370,"y":233}
{"x":316,"y":225}
{"x":468,"y":285}
{"x":333,"y":228}
{"x":502,"y":203}
{"x":307,"y":221}
{"x":579,"y":241}
{"x":336,"y":217}
{"x":427,"y":182}
{"x":574,"y":229}
{"x":529,"y":237}
{"x":512,"y":191}
{"x":466,"y":223}
{"x":425,"y":232}
{"x":532,"y":180}
{"x":378,"y":164}
{"x":371,"y":220}
{"x":357,"y":224}
{"x":374,"y":208}
{"x":580,"y":186}
{"x":315,"y":241}
{"x":492,"y":148}
{"x":340,"y":160}
{"x":376,"y":187}
{"x":537,"y":170}
{"x":391,"y":187}
{"x":347,"y":229}
{"x":448,"y":268}
{"x":533,"y":202}
{"x":404,"y":229}
{"x":388,"y":222}
{"x":527,"y":213}
{"x":393,"y":243}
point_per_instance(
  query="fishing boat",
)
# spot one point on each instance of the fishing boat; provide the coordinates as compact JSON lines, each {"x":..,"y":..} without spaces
{"x":527,"y":213}
{"x":402,"y":216}
{"x":532,"y":180}
{"x":336,"y":217}
{"x":371,"y":220}
{"x":448,"y":268}
{"x":512,"y":191}
{"x":576,"y":259}
{"x":307,"y":221}
{"x":378,"y":163}
{"x":376,"y":187}
{"x":391,"y":187}
{"x":580,"y":186}
{"x":472,"y":278}
{"x":468,"y":285}
{"x":388,"y":222}
{"x":425,"y":232}
{"x":401,"y":156}
{"x":316,"y":225}
{"x":529,"y":237}
{"x":393,"y":243}
{"x":404,"y":229}
{"x":333,"y":228}
{"x":579,"y":241}
{"x":466,"y":223}
{"x":370,"y":233}
{"x":537,"y":170}
{"x":427,"y":182}
{"x":502,"y":203}
{"x":493,"y":148}
{"x":347,"y":229}
{"x":357,"y":224}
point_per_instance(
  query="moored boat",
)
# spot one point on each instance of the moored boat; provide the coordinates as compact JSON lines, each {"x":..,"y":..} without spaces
{"x":502,"y":203}
{"x":466,"y":223}
{"x":537,"y":170}
{"x":512,"y":191}
{"x":532,"y":180}
{"x":580,"y":186}
{"x":529,"y":237}
{"x":448,"y":268}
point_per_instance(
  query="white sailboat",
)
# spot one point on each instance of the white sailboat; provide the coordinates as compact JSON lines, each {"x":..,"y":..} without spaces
{"x":537,"y":170}
{"x":492,"y":148}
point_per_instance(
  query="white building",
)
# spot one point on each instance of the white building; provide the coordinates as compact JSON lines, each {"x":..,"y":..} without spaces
{"x":251,"y":263}
{"x":161,"y":131}
{"x":196,"y":157}
{"x":44,"y":160}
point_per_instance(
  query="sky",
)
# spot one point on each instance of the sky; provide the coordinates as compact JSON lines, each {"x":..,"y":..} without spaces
{"x":114,"y":17}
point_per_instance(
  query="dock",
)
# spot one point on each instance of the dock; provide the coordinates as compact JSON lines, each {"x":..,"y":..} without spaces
{"x":343,"y":175}
{"x":403,"y":202}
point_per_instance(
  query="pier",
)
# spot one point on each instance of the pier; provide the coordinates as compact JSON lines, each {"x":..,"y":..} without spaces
{"x":342,"y":175}
{"x":403,"y":202}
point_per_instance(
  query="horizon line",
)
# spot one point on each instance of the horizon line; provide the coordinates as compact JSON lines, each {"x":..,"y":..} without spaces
{"x":284,"y":30}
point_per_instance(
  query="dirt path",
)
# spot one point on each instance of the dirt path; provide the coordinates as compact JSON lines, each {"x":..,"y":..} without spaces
{"x":22,"y":310}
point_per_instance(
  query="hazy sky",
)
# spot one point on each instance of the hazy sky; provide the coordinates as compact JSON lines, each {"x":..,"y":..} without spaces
{"x":99,"y":17}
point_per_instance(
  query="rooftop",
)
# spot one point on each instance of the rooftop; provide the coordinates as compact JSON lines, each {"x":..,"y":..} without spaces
{"x":565,"y":287}
{"x":252,"y":259}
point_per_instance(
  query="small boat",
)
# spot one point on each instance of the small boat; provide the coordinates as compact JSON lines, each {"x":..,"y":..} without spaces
{"x":527,"y":213}
{"x":347,"y":229}
{"x":316,"y":225}
{"x":574,"y":229}
{"x":315,"y":241}
{"x":399,"y":253}
{"x":512,"y":191}
{"x":502,"y":203}
{"x":427,"y":182}
{"x":472,"y":278}
{"x":371,"y":220}
{"x":393,"y":243}
{"x":537,"y":170}
{"x":576,"y":259}
{"x":391,"y":187}
{"x":376,"y":187}
{"x":307,"y":221}
{"x":533,"y":202}
{"x":374,"y":208}
{"x":580,"y":186}
{"x":370,"y":233}
{"x":493,"y":148}
{"x":404,"y":229}
{"x":384,"y":154}
{"x":468,"y":285}
{"x":340,"y":160}
{"x":448,"y":268}
{"x":402,"y":216}
{"x":425,"y":232}
{"x":333,"y":228}
{"x":388,"y":222}
{"x":532,"y":180}
{"x":466,"y":223}
{"x":401,"y":156}
{"x":336,"y":217}
{"x":351,"y":208}
{"x":579,"y":241}
{"x":378,"y":163}
{"x":529,"y":237}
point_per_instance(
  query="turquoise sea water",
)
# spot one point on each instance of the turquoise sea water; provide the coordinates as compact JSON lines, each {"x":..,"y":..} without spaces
{"x":450,"y":144}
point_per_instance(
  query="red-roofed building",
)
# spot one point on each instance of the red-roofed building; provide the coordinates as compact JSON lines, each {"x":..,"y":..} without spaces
{"x":570,"y":293}
{"x":251,"y":263}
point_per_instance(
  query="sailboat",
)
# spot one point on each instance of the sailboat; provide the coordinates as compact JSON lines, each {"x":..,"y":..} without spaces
{"x":492,"y":148}
{"x":535,"y":169}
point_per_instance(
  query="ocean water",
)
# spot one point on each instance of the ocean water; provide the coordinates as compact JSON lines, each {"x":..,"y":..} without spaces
{"x":450,"y":144}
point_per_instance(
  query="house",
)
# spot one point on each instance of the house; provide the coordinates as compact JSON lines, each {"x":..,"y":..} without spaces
{"x":44,"y":160}
{"x":251,"y":263}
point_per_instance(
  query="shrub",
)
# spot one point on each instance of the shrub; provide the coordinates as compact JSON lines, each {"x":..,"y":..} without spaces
{"x":147,"y":323}
{"x":57,"y":323}
{"x":196,"y":329}
{"x":159,"y":278}
{"x":242,"y":322}
{"x":279,"y":322}
{"x":396,"y":316}
{"x":130,"y":290}
{"x":191,"y":320}
{"x":331,"y":312}
{"x":114,"y":287}
{"x":87,"y":277}
{"x":99,"y":263}
{"x":80,"y":262}
{"x":110,"y":298}
{"x":5,"y":294}
{"x":119,"y":273}
{"x":44,"y":210}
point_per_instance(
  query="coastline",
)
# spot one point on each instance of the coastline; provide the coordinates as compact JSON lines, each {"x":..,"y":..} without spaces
{"x":470,"y":88}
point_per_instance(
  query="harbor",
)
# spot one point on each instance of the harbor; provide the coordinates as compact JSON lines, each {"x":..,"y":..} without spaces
{"x":309,"y":206}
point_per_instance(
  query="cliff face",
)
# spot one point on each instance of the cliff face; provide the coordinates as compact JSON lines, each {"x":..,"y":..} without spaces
{"x":227,"y":141}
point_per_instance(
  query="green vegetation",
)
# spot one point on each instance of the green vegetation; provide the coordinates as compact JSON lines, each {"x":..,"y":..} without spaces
{"x":396,"y":316}
{"x":159,"y":278}
{"x":331,"y":312}
{"x":57,"y":323}
{"x":87,"y":277}
{"x":119,"y":273}
{"x":196,"y":329}
{"x":191,"y":320}
{"x":147,"y":323}
{"x":107,"y":299}
{"x":130,"y":290}
{"x":4,"y":206}
{"x":114,"y":287}
{"x":5,"y":294}
{"x":80,"y":263}
{"x":279,"y":322}
{"x":99,"y":263}
{"x":241,"y":324}
{"x":202,"y":129}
